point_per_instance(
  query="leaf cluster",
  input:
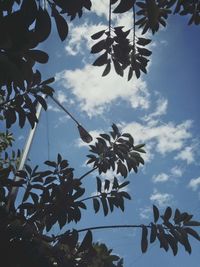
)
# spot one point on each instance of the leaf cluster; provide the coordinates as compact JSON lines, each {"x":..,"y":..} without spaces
{"x":174,"y":229}
{"x":116,"y":151}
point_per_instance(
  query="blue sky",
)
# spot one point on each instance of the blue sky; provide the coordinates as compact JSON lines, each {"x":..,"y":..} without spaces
{"x":160,"y":109}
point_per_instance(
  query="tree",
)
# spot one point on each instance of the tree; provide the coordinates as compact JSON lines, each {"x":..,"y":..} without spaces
{"x":55,"y":196}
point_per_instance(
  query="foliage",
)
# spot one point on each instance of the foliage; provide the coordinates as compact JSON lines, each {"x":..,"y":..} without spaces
{"x":55,"y":197}
{"x":29,"y":24}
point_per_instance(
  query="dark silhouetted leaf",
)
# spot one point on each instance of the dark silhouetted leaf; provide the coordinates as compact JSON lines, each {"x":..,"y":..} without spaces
{"x":167,"y":214}
{"x":118,"y":67}
{"x":153,"y":233}
{"x":144,"y":240}
{"x":97,"y":35}
{"x":101,"y":60}
{"x":87,"y":242}
{"x":156,"y":213}
{"x":107,"y":69}
{"x":98,"y":47}
{"x":38,"y":55}
{"x":96,"y":205}
{"x":124,"y":6}
{"x":61,"y":24}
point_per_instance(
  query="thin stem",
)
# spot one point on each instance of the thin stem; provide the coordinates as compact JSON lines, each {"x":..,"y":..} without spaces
{"x":134,"y":26}
{"x":109,"y":19}
{"x":65,"y":110}
{"x":112,"y":226}
{"x":83,"y":176}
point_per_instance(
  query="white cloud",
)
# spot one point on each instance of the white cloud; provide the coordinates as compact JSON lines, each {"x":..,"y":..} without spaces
{"x":145,"y":213}
{"x":162,"y":177}
{"x":53,"y":108}
{"x":186,"y":154}
{"x":61,"y":97}
{"x":100,"y":8}
{"x":89,"y":89}
{"x":161,"y":199}
{"x":176,"y":172}
{"x":161,"y":109}
{"x":80,"y":38}
{"x":21,"y":137}
{"x":166,"y":137}
{"x":194,"y":183}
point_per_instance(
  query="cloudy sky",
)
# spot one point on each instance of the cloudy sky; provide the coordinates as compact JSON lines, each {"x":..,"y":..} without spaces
{"x":160,"y":109}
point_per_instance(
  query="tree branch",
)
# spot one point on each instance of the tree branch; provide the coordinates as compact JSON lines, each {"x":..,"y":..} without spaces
{"x":113,"y":226}
{"x":84,"y":175}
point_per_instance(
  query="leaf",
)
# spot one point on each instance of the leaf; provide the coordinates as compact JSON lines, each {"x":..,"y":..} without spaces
{"x":156,"y":213}
{"x":87,"y":242}
{"x":49,"y":180}
{"x":172,"y":243}
{"x":62,"y":219}
{"x":192,"y":232}
{"x":99,"y":184}
{"x":144,"y":51}
{"x":50,"y":163}
{"x":107,"y":69}
{"x":97,"y":35}
{"x":105,"y":205}
{"x":143,"y":41}
{"x":107,"y":185}
{"x":101,"y":60}
{"x":144,"y":241}
{"x":42,"y":25}
{"x":61,"y":24}
{"x":130,"y":73}
{"x":124,"y":6}
{"x":105,"y":136}
{"x":96,"y":205}
{"x":125,"y":195}
{"x":153,"y":233}
{"x":167,"y":214}
{"x":38,"y":55}
{"x":124,"y":184}
{"x":48,"y":81}
{"x":192,"y":223}
{"x":42,"y":101}
{"x":98,"y":47}
{"x":118,"y":67}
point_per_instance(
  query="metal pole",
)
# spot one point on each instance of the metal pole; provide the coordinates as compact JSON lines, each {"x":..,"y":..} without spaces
{"x":13,"y":193}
